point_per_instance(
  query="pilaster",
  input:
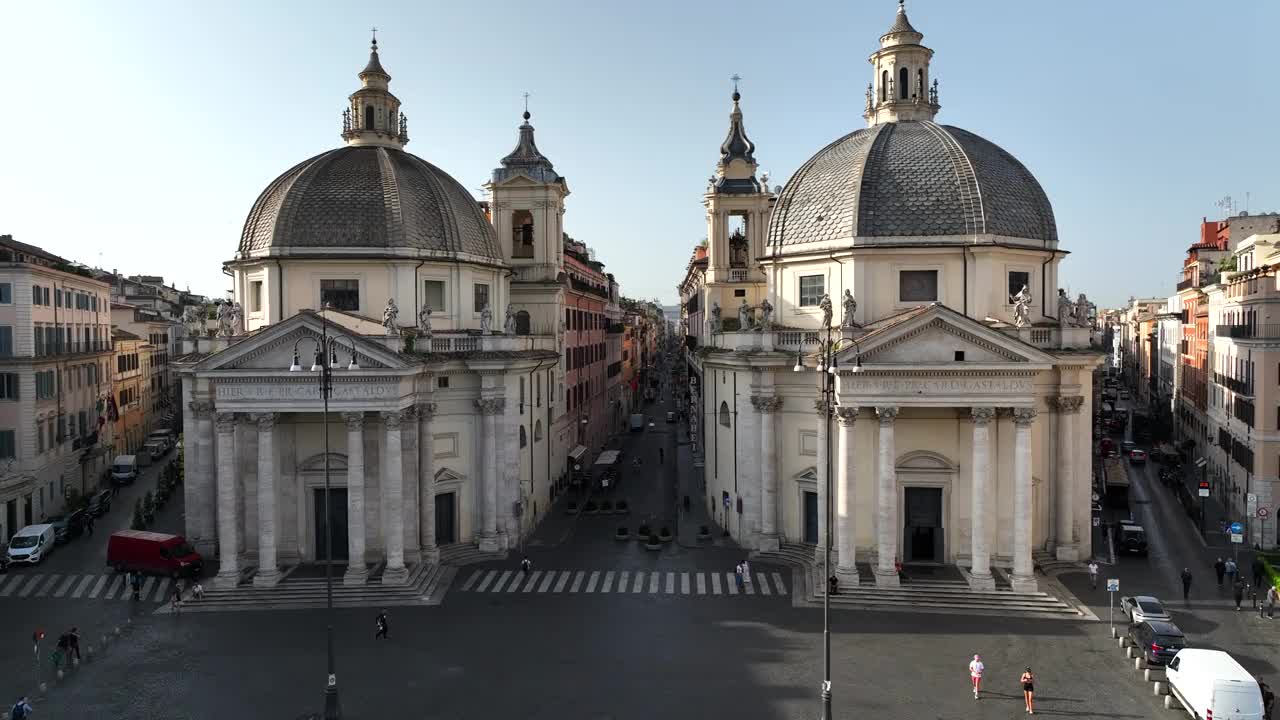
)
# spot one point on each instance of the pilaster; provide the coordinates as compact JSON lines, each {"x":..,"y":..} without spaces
{"x":1068,"y":407}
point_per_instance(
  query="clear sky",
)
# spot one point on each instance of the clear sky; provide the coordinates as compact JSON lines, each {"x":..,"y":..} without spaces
{"x":137,"y":135}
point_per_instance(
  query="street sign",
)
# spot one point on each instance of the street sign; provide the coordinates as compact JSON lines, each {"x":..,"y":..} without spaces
{"x":1113,"y":584}
{"x":1263,"y":513}
{"x":1201,"y":462}
{"x":1204,"y":488}
{"x":1237,"y":538}
{"x":1237,"y":528}
{"x":1097,"y":521}
{"x":1251,"y":503}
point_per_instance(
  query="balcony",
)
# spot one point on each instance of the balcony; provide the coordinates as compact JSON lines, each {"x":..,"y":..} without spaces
{"x":1239,"y":387}
{"x":737,"y":274}
{"x":1270,"y":331}
{"x":1188,"y":283}
{"x":75,"y":348}
{"x":1243,"y":410}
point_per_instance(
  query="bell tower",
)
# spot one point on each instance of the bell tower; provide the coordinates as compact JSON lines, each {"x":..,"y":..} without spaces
{"x":374,"y":117}
{"x":900,"y":85}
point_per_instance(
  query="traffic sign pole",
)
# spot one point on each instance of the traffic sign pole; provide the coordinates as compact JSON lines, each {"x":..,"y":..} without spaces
{"x":1113,"y":586}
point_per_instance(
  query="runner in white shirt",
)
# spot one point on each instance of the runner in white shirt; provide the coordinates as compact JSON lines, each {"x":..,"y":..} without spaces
{"x":976,"y":669}
{"x":1093,"y":574}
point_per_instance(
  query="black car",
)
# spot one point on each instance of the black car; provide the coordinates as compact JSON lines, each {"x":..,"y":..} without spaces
{"x":100,"y":503}
{"x":1157,"y":640}
{"x":1131,"y":539}
{"x":68,"y":526}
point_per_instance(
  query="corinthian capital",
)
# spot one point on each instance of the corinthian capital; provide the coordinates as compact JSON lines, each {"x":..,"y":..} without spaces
{"x":982,"y":415}
{"x":225,"y":422}
{"x":1068,"y":404}
{"x":847,"y":416}
{"x":266,"y":421}
{"x":393,"y":419}
{"x":887,"y":414}
{"x":491,"y":406}
{"x":1024,"y":416}
{"x":353,"y":420}
{"x":202,"y":409}
{"x":426,"y":411}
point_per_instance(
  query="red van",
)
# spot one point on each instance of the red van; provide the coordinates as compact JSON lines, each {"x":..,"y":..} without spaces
{"x":152,"y":552}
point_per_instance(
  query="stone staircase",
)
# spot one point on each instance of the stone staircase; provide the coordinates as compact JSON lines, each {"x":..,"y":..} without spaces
{"x":942,"y":596}
{"x":1049,"y":563}
{"x":425,"y":586}
{"x":463,"y":553}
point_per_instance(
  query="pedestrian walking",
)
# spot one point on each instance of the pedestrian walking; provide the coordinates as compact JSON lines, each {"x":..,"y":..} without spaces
{"x":1093,"y":574}
{"x":525,"y":566}
{"x":21,"y":709}
{"x":88,"y":525}
{"x":175,"y":599}
{"x":1028,"y":681}
{"x":833,"y":585}
{"x":197,"y":591}
{"x":1232,"y":570}
{"x":1186,"y":584}
{"x":61,"y":650}
{"x":1272,"y":596}
{"x":1220,"y":568}
{"x":73,"y":642}
{"x":1237,"y":592}
{"x":737,"y":576}
{"x":746,"y":572}
{"x":136,"y":582}
{"x":976,"y":668}
{"x":1257,"y":568}
{"x":383,"y":627}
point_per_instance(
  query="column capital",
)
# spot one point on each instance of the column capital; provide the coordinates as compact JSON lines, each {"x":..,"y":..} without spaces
{"x":491,"y":406}
{"x":846,"y":416}
{"x":203,"y":409}
{"x":225,"y":422}
{"x":266,"y":421}
{"x":1067,"y":404}
{"x":887,"y":414}
{"x":1023,"y":416}
{"x":982,"y":414}
{"x":393,"y":419}
{"x":353,"y":420}
{"x":426,"y":411}
{"x":766,"y":403}
{"x":821,"y":406}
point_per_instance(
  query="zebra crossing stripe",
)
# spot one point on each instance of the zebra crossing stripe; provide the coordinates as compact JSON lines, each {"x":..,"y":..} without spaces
{"x":637,"y":585}
{"x":653,"y":583}
{"x":546,"y":582}
{"x":26,"y":590}
{"x":564,"y":580}
{"x":684,"y":583}
{"x":777,"y":580}
{"x":97,"y":587}
{"x":84,"y":585}
{"x":6,"y":587}
{"x":591,"y":582}
{"x":577,"y":581}
{"x":515,"y":582}
{"x":715,"y":583}
{"x":53,"y":580}
{"x":502,"y":581}
{"x":161,"y":591}
{"x":608,"y":582}
{"x":466,"y":587}
{"x":702,"y":585}
{"x":113,"y":587}
{"x":623,"y":577}
{"x":62,"y":590}
{"x":748,"y":587}
{"x":533,"y":580}
{"x":146,"y":587}
{"x":764,"y":584}
{"x":671,"y":583}
{"x":488,"y":578}
{"x":731,"y":582}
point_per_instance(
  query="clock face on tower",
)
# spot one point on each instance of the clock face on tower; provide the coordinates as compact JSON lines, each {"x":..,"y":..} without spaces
{"x":918,"y":285}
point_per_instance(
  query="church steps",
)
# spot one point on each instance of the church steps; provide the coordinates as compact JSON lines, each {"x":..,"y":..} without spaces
{"x":303,"y":594}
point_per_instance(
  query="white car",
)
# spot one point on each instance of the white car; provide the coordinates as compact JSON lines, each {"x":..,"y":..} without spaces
{"x":1141,"y":608}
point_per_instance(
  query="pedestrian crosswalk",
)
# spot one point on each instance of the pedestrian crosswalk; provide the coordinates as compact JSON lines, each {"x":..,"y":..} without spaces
{"x":107,"y":586}
{"x":632,"y":582}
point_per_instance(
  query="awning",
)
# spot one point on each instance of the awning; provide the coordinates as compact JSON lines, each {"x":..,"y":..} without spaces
{"x":608,"y":457}
{"x":577,"y":453}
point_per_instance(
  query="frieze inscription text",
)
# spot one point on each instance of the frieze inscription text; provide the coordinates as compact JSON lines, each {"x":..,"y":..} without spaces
{"x":937,"y":386}
{"x":305,"y":391}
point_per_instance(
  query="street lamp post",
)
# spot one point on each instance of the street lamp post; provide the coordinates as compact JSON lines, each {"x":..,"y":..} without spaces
{"x":326,"y":357}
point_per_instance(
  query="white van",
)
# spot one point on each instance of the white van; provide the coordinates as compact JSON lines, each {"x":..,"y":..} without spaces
{"x":124,"y":470}
{"x":1210,"y":684}
{"x":32,"y":544}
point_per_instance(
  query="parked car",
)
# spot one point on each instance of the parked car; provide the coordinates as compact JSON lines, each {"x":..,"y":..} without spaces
{"x":1157,"y":640}
{"x":68,"y":525}
{"x":152,"y":552}
{"x":1127,"y":445}
{"x":1131,"y":538}
{"x":100,"y":503}
{"x":32,"y":544}
{"x":155,"y":449}
{"x":124,"y":470}
{"x":1138,"y":456}
{"x":671,"y":417}
{"x":1211,"y":684}
{"x":1124,"y":394}
{"x":166,"y":437}
{"x":1143,"y":608}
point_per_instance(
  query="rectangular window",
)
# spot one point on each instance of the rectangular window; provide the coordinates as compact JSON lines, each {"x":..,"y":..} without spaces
{"x":6,"y":340}
{"x":442,"y":382}
{"x":340,"y":294}
{"x":1017,"y":280}
{"x":480,"y":297}
{"x":40,"y":437}
{"x":6,"y":295}
{"x":918,"y":285}
{"x":433,"y":294}
{"x":811,"y":290}
{"x":8,"y":386}
{"x":255,"y":296}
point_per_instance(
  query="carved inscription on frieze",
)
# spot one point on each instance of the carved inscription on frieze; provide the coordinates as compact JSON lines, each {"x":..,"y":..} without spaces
{"x":938,"y":386}
{"x":304,"y":391}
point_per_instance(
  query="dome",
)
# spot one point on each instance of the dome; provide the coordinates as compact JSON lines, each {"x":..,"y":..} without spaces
{"x":368,"y":198}
{"x":911,"y":179}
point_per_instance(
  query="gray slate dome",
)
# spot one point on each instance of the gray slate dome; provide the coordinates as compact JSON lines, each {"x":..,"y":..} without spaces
{"x":368,"y":198}
{"x":911,"y":179}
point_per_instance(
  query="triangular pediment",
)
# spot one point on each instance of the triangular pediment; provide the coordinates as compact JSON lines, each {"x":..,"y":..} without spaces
{"x":938,"y":335}
{"x":273,"y":347}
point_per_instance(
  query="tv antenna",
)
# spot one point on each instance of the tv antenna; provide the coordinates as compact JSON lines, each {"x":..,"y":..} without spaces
{"x":1226,"y":205}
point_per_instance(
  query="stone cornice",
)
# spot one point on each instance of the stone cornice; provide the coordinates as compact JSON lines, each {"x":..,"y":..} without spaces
{"x":952,"y":329}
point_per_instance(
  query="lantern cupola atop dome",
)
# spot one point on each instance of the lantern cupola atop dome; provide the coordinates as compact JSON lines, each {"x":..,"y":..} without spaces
{"x":900,"y":86}
{"x":374,"y":117}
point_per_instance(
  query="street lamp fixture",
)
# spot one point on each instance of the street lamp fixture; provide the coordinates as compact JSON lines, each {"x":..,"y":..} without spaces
{"x":327,"y":345}
{"x":827,"y":371}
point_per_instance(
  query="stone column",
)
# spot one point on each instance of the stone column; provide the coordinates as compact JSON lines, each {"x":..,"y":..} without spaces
{"x":1068,"y":408}
{"x":228,"y":484}
{"x":821,"y":476}
{"x":768,"y":407}
{"x":846,"y":505}
{"x":357,"y":571}
{"x":887,"y":500}
{"x":490,"y":408}
{"x":980,"y":571}
{"x":393,"y":501}
{"x":1024,"y":579}
{"x":203,"y":523}
{"x":427,"y":483}
{"x":268,"y":570}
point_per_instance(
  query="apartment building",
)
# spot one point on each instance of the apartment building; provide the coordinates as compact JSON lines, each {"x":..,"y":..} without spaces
{"x":160,"y":333}
{"x":131,"y":393}
{"x":55,"y":376}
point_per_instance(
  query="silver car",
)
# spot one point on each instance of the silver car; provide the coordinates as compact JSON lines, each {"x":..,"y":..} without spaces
{"x":1142,"y":608}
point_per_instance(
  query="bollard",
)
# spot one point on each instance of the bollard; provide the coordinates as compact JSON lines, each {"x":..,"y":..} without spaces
{"x":59,"y":674}
{"x":1121,"y":642}
{"x":104,"y":639}
{"x":1159,"y":689}
{"x":1168,"y":702}
{"x":1131,"y":652}
{"x":44,"y":687}
{"x":1115,"y":633}
{"x":88,"y":653}
{"x":117,"y":631}
{"x":1153,"y":675}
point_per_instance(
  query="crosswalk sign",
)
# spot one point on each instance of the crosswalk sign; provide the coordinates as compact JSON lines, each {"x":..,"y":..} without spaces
{"x":1113,"y":584}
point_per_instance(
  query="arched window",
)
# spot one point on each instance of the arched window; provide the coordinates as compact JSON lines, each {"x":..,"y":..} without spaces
{"x":522,"y":234}
{"x":537,"y":431}
{"x":920,"y":82}
{"x":524,"y":438}
{"x":904,"y":80}
{"x":368,"y":117}
{"x":522,"y":323}
{"x":884,"y":84}
{"x":724,"y":414}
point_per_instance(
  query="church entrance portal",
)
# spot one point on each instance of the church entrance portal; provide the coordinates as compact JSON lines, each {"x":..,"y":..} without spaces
{"x":922,"y":541}
{"x":337,"y":521}
{"x":811,"y":517}
{"x":446,"y":532}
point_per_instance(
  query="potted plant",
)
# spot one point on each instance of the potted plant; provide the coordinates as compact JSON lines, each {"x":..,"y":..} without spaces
{"x":591,"y":508}
{"x":704,"y":533}
{"x":571,"y":508}
{"x":653,"y":543}
{"x":622,"y":534}
{"x":664,"y":535}
{"x":621,"y":507}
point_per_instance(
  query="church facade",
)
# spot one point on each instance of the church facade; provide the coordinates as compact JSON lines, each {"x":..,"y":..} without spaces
{"x":395,"y":336}
{"x":876,"y":346}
